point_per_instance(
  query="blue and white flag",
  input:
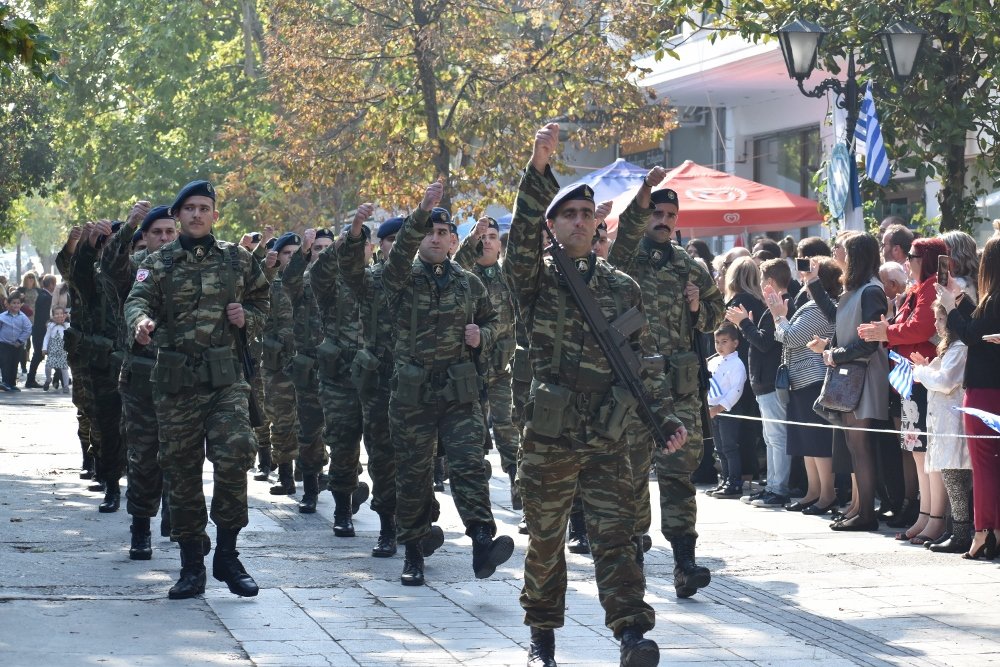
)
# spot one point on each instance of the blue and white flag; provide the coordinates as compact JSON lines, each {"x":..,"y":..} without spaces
{"x":869,"y":132}
{"x":901,"y":376}
{"x":990,"y":419}
{"x":714,"y":389}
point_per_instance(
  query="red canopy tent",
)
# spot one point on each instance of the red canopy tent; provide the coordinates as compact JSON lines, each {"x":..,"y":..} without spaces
{"x":713,"y":203}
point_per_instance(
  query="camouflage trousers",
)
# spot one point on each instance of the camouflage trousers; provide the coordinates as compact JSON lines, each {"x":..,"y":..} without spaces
{"x":263,"y":432}
{"x":549,"y":474}
{"x":415,"y":430}
{"x":344,"y":427}
{"x":198,"y":423}
{"x":105,"y":427}
{"x":678,"y":508}
{"x":280,"y":409}
{"x":312,"y":450}
{"x":145,"y":478}
{"x":640,"y":455}
{"x":81,"y":393}
{"x":378,"y":444}
{"x":505,"y":435}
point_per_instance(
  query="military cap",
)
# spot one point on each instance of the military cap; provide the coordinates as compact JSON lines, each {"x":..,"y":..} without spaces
{"x":270,"y":243}
{"x":193,"y":189}
{"x":288,"y":238}
{"x":137,"y":236}
{"x":441,"y":216}
{"x":324,"y":233}
{"x":572,"y":192}
{"x":664,"y":196}
{"x":492,"y":224}
{"x":390,"y":227}
{"x":365,"y":232}
{"x":158,"y":213}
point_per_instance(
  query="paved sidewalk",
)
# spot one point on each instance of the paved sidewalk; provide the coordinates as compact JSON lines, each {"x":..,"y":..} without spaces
{"x":786,"y":590}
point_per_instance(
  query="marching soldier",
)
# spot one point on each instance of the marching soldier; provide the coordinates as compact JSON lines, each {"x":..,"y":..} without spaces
{"x":196,"y":299}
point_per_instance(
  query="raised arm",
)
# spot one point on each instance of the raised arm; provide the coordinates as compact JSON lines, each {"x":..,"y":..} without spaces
{"x":396,"y":274}
{"x":633,"y":221}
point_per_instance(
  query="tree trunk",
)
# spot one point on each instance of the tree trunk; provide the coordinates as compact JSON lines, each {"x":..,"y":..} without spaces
{"x":428,"y":89}
{"x":953,"y":210}
{"x":20,"y":237}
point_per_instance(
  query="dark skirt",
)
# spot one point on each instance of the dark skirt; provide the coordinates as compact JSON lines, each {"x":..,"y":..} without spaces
{"x":806,"y":440}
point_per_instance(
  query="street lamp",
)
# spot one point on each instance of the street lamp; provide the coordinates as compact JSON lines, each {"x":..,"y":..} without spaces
{"x":901,"y":43}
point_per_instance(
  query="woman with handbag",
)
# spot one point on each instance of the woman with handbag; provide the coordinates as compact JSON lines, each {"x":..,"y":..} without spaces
{"x":854,"y":363}
{"x":805,"y":378}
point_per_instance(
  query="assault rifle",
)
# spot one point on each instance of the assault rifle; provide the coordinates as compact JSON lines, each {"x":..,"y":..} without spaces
{"x":613,"y":340}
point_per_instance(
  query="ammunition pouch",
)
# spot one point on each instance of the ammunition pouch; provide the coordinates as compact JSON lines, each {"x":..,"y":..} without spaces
{"x":502,"y":353}
{"x":463,"y":383}
{"x":521,"y":368}
{"x":552,"y":410}
{"x":303,"y":372}
{"x":171,"y":373}
{"x":615,"y":413}
{"x":115,"y":361}
{"x":409,"y":384}
{"x":97,"y":351}
{"x":222,"y":369}
{"x":140,"y":373}
{"x":328,"y":355}
{"x":684,"y":368}
{"x":364,"y":371}
{"x":272,"y":353}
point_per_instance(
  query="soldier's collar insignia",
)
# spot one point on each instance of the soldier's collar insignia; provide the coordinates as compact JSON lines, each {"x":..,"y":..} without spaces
{"x":199,"y":252}
{"x":656,"y":255}
{"x":582,"y":265}
{"x":438,"y":270}
{"x":489,"y":271}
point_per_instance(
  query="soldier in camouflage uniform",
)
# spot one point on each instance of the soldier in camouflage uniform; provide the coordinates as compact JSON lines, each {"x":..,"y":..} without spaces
{"x":573,"y":430}
{"x":665,"y":271}
{"x":145,"y":478}
{"x":197,"y":300}
{"x":308,"y":332}
{"x":256,"y":344}
{"x":444,"y":320}
{"x":480,"y":254}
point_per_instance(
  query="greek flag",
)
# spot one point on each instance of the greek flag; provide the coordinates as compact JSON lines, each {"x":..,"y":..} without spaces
{"x":869,"y":133}
{"x":714,"y":389}
{"x":901,"y":377}
{"x":991,"y":420}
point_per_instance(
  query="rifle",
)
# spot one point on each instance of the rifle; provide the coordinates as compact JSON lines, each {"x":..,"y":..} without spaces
{"x":249,"y":371}
{"x":697,"y":344}
{"x":613,"y":340}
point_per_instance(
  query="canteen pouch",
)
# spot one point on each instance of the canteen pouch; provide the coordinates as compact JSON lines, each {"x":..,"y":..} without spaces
{"x":97,"y":349}
{"x":548,"y":413}
{"x":170,"y":372}
{"x":221,"y":366}
{"x":502,"y":354}
{"x":463,"y":382}
{"x":115,"y":362}
{"x":409,"y":383}
{"x":684,"y":369}
{"x":614,"y":414}
{"x":303,"y":375}
{"x":522,"y":365}
{"x":140,"y":376}
{"x":271,"y":357}
{"x":364,"y":371}
{"x":328,"y":355}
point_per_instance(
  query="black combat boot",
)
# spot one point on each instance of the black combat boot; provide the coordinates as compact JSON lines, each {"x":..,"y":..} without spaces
{"x":359,"y":496}
{"x":141,"y":547}
{"x":226,"y":565}
{"x":98,"y":486}
{"x":577,"y":542}
{"x":413,"y":566}
{"x":192,"y":579}
{"x":87,"y":467}
{"x":542,"y":650}
{"x":112,"y":497}
{"x":264,"y":466}
{"x":515,"y":493}
{"x":488,"y":553}
{"x":343,"y":524}
{"x":386,"y":545}
{"x":432,"y":541}
{"x":164,"y":514}
{"x":522,"y":526}
{"x":439,"y":474}
{"x":310,"y":494}
{"x":637,"y":651}
{"x":285,"y":485}
{"x":688,"y":575}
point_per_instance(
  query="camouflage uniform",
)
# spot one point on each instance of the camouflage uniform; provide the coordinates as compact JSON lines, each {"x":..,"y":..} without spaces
{"x":196,"y":418}
{"x":430,"y":320}
{"x":567,"y":359}
{"x":278,"y":347}
{"x":662,"y":274}
{"x":497,"y":364}
{"x":256,"y":345}
{"x":308,"y":331}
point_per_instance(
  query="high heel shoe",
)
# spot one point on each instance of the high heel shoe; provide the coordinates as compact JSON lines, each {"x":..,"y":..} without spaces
{"x":816,"y":510}
{"x":986,"y":551}
{"x":800,"y":505}
{"x":855,"y":523}
{"x":922,"y":539}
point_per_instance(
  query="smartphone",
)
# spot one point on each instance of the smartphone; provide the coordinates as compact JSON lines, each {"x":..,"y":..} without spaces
{"x":255,"y":237}
{"x":803,"y":264}
{"x":944,"y":269}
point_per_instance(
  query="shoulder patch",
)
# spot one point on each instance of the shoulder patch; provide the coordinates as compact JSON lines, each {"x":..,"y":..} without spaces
{"x":141,"y":275}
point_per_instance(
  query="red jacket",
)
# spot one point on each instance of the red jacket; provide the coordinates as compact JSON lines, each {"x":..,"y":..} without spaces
{"x":913,"y":327}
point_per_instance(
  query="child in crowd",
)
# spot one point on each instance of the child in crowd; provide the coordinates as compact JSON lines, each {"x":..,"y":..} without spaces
{"x":54,"y":349}
{"x":728,"y":378}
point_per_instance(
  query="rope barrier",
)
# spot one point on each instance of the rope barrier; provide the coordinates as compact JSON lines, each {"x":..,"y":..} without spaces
{"x":855,"y":428}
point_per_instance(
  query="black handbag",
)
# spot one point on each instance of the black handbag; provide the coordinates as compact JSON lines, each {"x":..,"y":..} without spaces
{"x":842,"y":386}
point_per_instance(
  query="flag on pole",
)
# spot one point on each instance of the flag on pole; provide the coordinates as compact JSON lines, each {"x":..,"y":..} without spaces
{"x":868,"y":133}
{"x":990,"y":419}
{"x":901,"y":377}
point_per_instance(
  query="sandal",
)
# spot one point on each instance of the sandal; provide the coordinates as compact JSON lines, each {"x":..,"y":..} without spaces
{"x":903,"y":537}
{"x":921,"y":540}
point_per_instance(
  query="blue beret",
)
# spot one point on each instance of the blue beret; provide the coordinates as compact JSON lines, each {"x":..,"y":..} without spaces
{"x":158,"y":213}
{"x":664,"y":196}
{"x":270,"y":243}
{"x":137,"y":236}
{"x":193,"y":189}
{"x":572,"y":192}
{"x":324,"y":233}
{"x":365,"y":232}
{"x":441,"y":216}
{"x":390,"y":227}
{"x":493,"y":224}
{"x":288,"y":238}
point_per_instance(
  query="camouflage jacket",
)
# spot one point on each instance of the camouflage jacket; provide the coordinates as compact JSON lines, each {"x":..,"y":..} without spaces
{"x":339,"y":306}
{"x":119,"y":266}
{"x":662,"y":276}
{"x":377,"y":319}
{"x":279,"y":324}
{"x":431,"y":321}
{"x":561,"y":348}
{"x":307,"y":318}
{"x":501,"y":298}
{"x":200,"y":296}
{"x":98,"y":301}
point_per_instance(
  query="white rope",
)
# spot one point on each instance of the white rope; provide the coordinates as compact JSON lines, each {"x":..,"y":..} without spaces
{"x":855,"y":428}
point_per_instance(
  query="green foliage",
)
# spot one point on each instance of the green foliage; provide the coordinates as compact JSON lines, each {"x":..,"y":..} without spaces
{"x":23,"y":45}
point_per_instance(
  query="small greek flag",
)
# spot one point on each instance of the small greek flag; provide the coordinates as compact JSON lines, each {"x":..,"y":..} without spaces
{"x":869,"y":132}
{"x":990,"y":419}
{"x":714,"y":389}
{"x":901,"y":377}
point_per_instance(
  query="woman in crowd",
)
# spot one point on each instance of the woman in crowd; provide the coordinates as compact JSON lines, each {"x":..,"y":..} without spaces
{"x":698,"y":248}
{"x":964,"y":261}
{"x":29,"y":291}
{"x":805,"y":374}
{"x":982,"y":390}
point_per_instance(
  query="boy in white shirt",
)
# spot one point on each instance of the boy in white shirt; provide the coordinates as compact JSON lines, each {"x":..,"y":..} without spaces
{"x":729,"y":376}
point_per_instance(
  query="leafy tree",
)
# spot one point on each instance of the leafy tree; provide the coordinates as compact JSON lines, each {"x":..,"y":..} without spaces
{"x":22,"y":44}
{"x":44,"y":221}
{"x":925,"y":121}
